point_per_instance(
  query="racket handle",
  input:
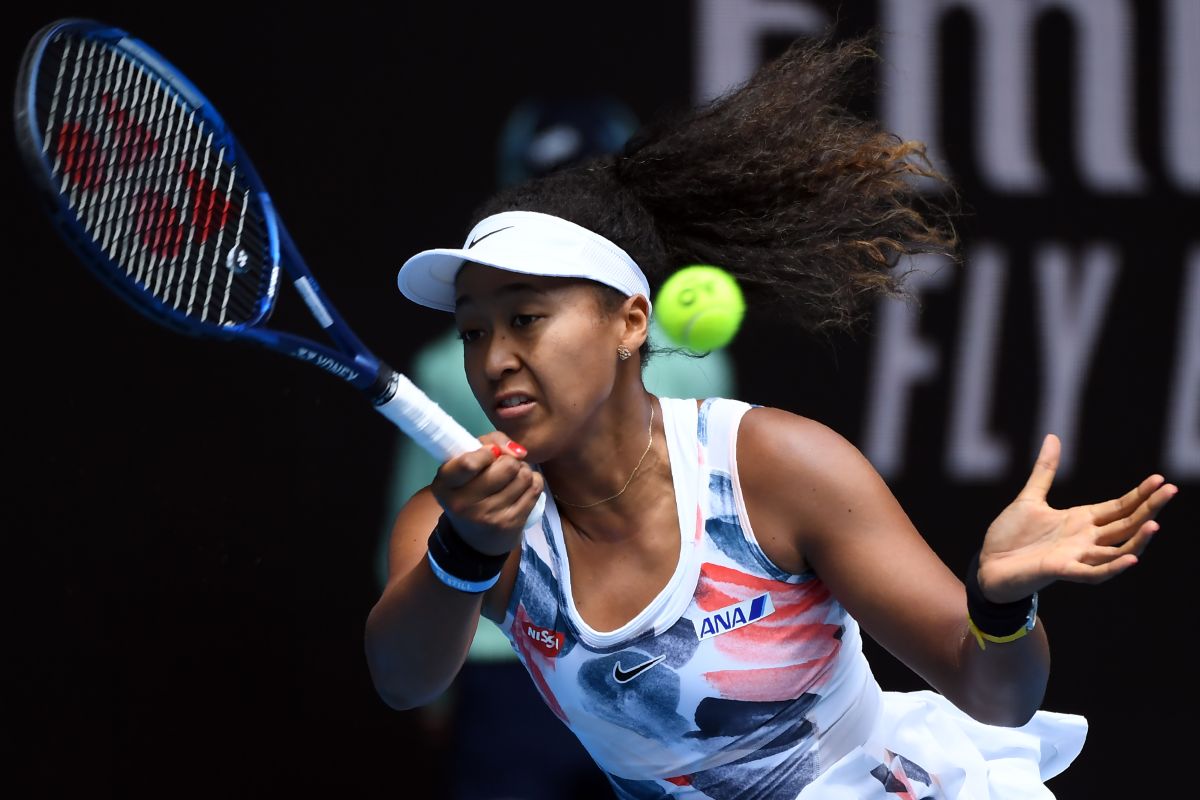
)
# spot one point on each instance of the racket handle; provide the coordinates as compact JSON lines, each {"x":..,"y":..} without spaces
{"x":425,"y":422}
{"x":433,"y":429}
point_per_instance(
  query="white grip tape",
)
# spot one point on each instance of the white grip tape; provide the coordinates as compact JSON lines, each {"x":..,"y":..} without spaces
{"x":439,"y":433}
{"x":426,"y":423}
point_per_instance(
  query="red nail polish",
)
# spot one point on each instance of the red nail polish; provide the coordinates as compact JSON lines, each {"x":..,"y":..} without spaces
{"x":516,"y":449}
{"x":496,"y":451}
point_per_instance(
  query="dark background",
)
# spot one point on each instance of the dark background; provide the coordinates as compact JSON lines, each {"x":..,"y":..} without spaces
{"x":195,"y":524}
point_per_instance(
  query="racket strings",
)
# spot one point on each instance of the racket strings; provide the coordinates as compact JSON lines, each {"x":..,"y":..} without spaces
{"x":150,"y":182}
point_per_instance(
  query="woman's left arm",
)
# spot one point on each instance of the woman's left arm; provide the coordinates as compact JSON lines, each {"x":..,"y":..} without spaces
{"x":815,"y":502}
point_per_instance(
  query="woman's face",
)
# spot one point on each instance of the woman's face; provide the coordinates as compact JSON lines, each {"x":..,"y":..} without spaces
{"x":540,"y":353}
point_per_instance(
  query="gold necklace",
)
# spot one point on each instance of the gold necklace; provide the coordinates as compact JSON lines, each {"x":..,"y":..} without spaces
{"x":631,"y":475}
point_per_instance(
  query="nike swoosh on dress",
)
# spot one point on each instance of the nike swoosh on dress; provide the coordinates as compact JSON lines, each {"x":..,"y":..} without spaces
{"x":625,"y":676}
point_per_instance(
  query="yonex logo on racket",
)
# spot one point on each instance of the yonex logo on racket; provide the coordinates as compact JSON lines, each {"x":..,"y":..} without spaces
{"x":326,"y":363}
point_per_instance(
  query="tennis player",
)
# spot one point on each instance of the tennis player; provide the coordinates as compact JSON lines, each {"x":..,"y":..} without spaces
{"x":692,"y":602}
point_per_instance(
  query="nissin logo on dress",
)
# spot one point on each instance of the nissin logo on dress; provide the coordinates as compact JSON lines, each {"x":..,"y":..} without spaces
{"x":733,"y":617}
{"x":549,"y":641}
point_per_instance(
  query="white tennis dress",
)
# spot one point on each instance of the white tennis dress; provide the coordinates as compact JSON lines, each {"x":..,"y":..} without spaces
{"x":742,"y":681}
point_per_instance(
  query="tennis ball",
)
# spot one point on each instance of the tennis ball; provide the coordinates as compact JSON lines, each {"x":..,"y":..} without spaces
{"x":700,"y":307}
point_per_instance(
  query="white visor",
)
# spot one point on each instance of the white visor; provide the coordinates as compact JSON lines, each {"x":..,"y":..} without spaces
{"x":527,"y":242}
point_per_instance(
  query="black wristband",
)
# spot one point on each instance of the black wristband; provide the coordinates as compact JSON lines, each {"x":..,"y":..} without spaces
{"x":457,"y":564}
{"x":994,"y":619}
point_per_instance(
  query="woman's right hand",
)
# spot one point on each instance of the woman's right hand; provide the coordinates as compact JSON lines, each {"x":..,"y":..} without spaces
{"x":489,"y":493}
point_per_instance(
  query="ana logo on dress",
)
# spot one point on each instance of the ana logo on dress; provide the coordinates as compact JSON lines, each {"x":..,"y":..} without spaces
{"x":735,"y":616}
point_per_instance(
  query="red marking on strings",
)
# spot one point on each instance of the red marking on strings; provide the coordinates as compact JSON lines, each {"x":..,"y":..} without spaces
{"x":78,"y":155}
{"x":204,"y":191}
{"x":140,"y":211}
{"x":224,"y":214}
{"x":84,"y":160}
{"x":157,"y":222}
{"x":176,"y":234}
{"x":69,"y":132}
{"x":137,"y":143}
{"x":88,"y":168}
{"x":163,"y":225}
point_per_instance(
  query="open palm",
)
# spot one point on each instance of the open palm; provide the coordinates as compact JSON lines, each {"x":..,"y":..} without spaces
{"x":1031,"y":545}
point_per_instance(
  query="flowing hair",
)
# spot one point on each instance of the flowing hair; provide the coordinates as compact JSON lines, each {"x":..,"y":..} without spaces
{"x":811,"y":207}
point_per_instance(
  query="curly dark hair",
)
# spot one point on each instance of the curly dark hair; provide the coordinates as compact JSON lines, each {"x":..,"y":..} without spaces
{"x":809,"y":206}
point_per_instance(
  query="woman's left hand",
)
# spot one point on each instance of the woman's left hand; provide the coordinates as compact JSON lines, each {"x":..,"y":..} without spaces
{"x":1031,"y":545}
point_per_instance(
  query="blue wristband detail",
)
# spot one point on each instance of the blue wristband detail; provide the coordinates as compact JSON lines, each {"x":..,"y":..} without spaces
{"x":471,"y":587}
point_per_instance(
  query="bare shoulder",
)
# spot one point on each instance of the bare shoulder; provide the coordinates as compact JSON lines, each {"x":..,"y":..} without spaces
{"x":814,"y":500}
{"x":777,"y":447}
{"x":800,"y":479}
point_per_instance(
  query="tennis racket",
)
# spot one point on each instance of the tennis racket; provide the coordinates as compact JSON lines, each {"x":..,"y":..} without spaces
{"x":150,"y":189}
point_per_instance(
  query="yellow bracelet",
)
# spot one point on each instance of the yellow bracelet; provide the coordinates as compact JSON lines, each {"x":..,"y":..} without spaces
{"x":981,"y":637}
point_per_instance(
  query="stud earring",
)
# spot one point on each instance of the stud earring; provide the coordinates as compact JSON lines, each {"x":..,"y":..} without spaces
{"x":623,"y":352}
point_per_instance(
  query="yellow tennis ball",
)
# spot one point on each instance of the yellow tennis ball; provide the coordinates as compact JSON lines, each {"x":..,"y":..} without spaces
{"x":700,"y":307}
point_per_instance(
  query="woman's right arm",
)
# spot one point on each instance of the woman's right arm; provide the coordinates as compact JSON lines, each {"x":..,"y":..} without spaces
{"x":419,"y":631}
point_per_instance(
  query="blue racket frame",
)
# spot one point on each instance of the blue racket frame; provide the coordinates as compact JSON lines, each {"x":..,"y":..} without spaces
{"x":354,"y":363}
